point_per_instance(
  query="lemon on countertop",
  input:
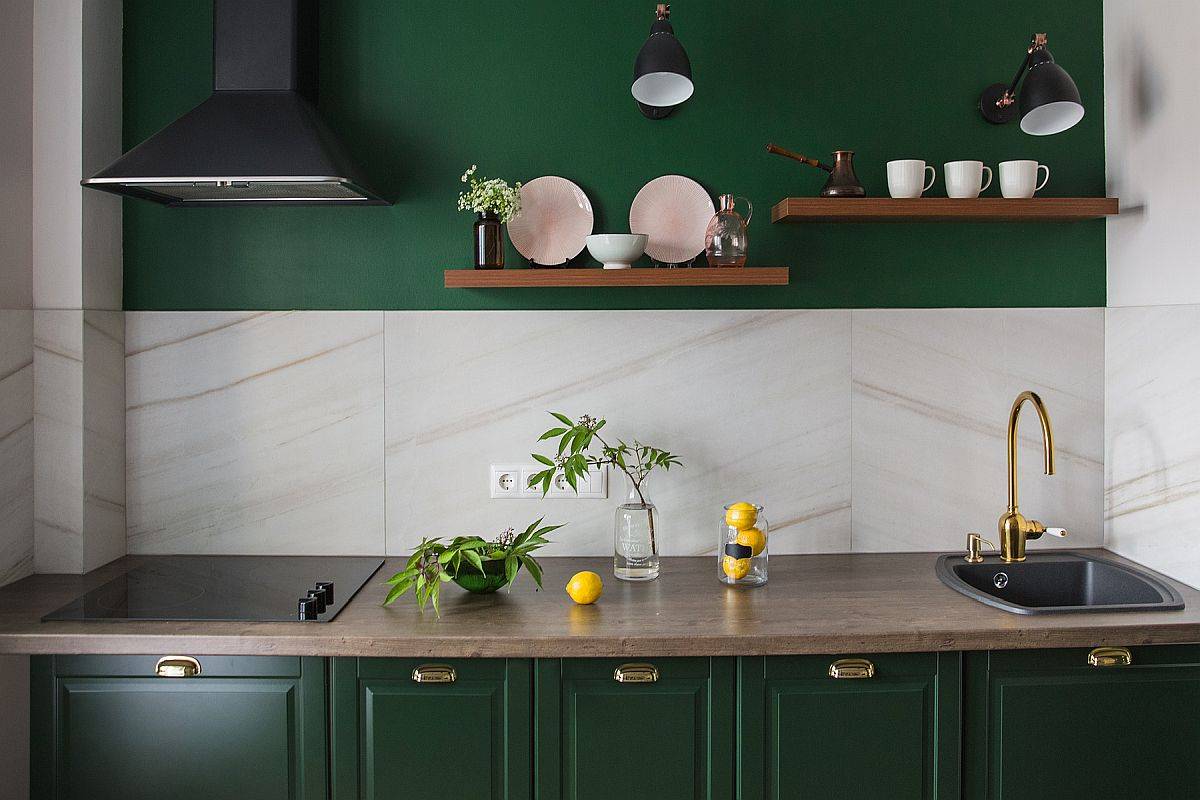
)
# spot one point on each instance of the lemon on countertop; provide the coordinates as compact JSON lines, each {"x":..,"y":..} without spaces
{"x":735,"y":568}
{"x":741,"y":515}
{"x":585,"y":587}
{"x":753,"y":538}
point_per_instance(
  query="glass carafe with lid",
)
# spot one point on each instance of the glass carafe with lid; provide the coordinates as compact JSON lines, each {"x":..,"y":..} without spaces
{"x":725,"y":241}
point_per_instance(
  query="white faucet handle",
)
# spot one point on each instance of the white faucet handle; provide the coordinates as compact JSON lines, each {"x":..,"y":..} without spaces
{"x":1061,"y":533}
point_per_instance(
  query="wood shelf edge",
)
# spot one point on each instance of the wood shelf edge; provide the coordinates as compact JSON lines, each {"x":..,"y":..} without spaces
{"x":943,"y":209}
{"x":600,"y":278}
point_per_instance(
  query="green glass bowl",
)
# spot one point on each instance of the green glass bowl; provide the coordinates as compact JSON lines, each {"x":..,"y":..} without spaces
{"x":492,"y":579}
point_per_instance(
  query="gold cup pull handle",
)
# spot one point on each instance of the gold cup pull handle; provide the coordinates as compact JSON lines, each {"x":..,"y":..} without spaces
{"x":852,"y":668}
{"x":1110,"y":657}
{"x":177,"y":667}
{"x":635,"y":673}
{"x":434,"y":673}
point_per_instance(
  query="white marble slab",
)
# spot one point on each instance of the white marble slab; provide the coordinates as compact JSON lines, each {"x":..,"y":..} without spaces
{"x":756,"y":403}
{"x":931,"y":397}
{"x":103,"y":437}
{"x":16,"y":445}
{"x":255,"y":432}
{"x":1152,"y":448}
{"x":58,"y":440}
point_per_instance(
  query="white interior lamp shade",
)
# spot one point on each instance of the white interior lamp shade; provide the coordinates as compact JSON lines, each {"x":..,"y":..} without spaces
{"x":1052,"y":118}
{"x":662,"y":89}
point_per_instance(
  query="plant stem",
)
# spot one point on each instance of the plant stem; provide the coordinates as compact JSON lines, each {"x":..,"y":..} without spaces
{"x":637,"y":487}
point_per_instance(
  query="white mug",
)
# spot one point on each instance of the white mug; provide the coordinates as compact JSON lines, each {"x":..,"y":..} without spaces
{"x":965,"y":178}
{"x":906,"y":177}
{"x":1019,"y":178}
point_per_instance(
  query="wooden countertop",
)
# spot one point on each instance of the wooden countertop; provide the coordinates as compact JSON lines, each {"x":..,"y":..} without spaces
{"x":847,"y":603}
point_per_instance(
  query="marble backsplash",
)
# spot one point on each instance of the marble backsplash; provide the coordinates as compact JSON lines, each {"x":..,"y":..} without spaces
{"x":1152,"y":458}
{"x":16,"y":444}
{"x":361,"y":432}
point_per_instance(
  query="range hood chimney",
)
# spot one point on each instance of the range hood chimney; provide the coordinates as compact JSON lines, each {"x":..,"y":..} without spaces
{"x":257,"y":140}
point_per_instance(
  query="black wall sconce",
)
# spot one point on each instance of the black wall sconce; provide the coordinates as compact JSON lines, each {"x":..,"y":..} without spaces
{"x":1049,"y":101}
{"x":662,"y":73}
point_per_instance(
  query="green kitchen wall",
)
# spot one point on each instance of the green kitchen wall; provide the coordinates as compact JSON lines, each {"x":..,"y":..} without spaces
{"x":422,"y":90}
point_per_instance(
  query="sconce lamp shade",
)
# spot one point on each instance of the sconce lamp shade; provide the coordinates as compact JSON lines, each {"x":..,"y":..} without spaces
{"x":1049,"y":102}
{"x":662,"y":73}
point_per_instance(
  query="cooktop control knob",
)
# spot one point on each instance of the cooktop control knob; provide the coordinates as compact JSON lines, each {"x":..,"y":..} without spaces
{"x":308,"y":608}
{"x":319,"y":596}
{"x":328,"y":587}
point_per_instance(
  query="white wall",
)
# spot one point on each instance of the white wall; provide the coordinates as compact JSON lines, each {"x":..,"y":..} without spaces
{"x":1152,"y":343}
{"x":16,"y":153}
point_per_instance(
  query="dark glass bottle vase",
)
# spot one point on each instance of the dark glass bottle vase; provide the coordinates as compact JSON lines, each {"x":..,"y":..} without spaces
{"x":489,"y":241}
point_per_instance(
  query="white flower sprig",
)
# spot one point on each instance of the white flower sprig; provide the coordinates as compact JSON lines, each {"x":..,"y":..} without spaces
{"x":490,"y":194}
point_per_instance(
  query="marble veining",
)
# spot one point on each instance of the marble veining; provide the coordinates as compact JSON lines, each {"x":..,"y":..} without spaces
{"x":58,"y":435}
{"x":755,"y":402}
{"x":1152,"y":448}
{"x":16,"y":444}
{"x":931,"y":395}
{"x":251,"y":432}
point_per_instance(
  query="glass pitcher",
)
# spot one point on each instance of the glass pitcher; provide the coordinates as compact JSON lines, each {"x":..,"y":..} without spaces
{"x":725,"y":241}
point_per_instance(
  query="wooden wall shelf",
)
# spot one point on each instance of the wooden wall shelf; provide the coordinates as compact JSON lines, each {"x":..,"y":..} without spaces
{"x":942,"y":209}
{"x":639,"y":276}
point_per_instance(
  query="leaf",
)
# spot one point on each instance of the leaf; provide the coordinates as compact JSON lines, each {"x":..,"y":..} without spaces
{"x":535,"y":569}
{"x":396,"y":591}
{"x":510,"y":568}
{"x":564,"y":441}
{"x":546,"y":483}
{"x":599,"y":425}
{"x":445,"y":557}
{"x":541,"y":459}
{"x":571,"y":479}
{"x":474,"y":559}
{"x":565,"y":420}
{"x":550,"y":434}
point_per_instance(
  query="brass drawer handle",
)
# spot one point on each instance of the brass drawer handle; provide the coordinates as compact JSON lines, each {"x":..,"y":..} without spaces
{"x":635,"y":673}
{"x":852,"y":668}
{"x":434,"y":673}
{"x":177,"y":667}
{"x":1110,"y":657}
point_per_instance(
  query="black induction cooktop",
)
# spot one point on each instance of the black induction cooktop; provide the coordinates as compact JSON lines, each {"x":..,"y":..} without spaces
{"x":252,"y":588}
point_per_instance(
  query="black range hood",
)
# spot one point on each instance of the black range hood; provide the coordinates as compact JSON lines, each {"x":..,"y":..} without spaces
{"x":258,"y":140}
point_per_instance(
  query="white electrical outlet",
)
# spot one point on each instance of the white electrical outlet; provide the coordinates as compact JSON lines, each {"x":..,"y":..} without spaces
{"x":504,"y":481}
{"x":511,"y":481}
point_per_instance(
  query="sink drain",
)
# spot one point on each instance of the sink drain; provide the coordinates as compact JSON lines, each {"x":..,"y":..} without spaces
{"x":1000,"y":580}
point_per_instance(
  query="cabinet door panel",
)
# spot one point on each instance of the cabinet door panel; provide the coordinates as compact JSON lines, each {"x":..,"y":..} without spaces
{"x":804,"y":734}
{"x":130,"y":736}
{"x":669,"y":739}
{"x":394,"y":736}
{"x":1057,"y":727}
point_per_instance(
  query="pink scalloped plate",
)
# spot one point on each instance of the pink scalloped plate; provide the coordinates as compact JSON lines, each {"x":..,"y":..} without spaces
{"x":673,"y":211}
{"x":554,"y":222}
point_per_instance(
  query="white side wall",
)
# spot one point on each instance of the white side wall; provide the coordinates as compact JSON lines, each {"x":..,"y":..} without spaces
{"x":1152,"y":341}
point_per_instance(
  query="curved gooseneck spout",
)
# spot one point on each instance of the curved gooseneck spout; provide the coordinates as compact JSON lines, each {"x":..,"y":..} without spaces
{"x":1014,"y":528}
{"x":1047,"y":441}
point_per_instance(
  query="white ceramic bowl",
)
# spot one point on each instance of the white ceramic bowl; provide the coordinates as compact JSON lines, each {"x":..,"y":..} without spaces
{"x":617,"y":250}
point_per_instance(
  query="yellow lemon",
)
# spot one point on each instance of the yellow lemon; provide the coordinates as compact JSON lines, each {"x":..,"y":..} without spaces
{"x":741,"y":515}
{"x":585,"y":587}
{"x":753,"y":538}
{"x":735,"y":568}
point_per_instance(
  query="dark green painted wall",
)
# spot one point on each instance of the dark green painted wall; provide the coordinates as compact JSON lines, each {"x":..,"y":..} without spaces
{"x":421,"y":90}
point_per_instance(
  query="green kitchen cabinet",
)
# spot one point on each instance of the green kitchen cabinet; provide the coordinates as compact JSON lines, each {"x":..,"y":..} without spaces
{"x":1048,"y":724}
{"x":637,"y":729}
{"x":431,"y":729}
{"x":111,"y":727}
{"x":856,"y":727}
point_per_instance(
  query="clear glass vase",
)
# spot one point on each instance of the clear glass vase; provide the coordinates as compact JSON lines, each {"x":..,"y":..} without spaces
{"x":742,"y":545}
{"x":636,"y":535}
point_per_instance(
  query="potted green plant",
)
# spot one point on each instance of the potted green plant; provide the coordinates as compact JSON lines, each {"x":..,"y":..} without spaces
{"x":636,"y":524}
{"x":495,"y":203}
{"x":474,"y":563}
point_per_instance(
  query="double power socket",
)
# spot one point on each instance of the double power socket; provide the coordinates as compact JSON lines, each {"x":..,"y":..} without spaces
{"x":511,"y":482}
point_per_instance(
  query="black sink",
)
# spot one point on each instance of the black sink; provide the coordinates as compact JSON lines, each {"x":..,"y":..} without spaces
{"x":1057,"y":581}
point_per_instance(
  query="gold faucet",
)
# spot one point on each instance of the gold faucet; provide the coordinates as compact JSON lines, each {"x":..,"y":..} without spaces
{"x":1014,"y":528}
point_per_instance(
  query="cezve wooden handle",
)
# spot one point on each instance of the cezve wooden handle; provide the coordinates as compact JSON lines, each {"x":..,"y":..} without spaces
{"x":812,"y":162}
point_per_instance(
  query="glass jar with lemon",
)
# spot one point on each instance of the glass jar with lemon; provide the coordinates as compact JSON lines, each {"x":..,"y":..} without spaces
{"x":742,"y":545}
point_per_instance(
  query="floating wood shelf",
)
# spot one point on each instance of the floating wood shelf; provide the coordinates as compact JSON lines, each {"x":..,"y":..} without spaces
{"x":942,"y":209}
{"x":639,"y":276}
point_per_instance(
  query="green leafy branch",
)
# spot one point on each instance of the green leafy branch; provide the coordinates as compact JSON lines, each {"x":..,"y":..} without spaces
{"x":575,"y":457}
{"x":435,"y":562}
